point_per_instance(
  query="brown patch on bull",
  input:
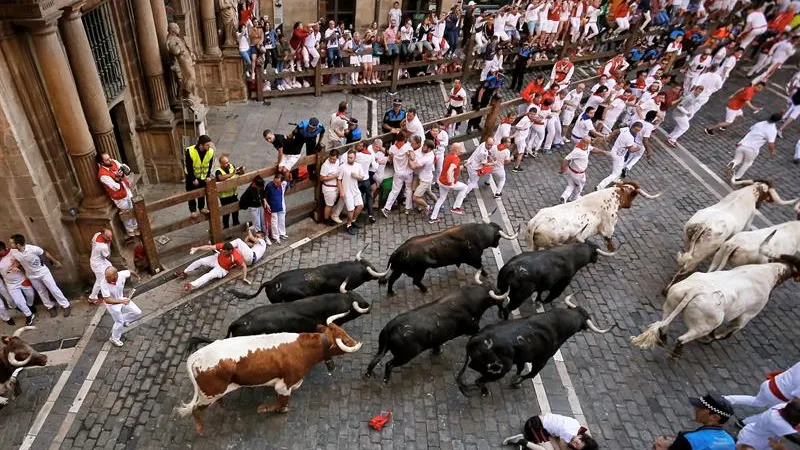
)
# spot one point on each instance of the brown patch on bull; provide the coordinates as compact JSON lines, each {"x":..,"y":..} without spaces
{"x":626,"y":192}
{"x":761,"y":192}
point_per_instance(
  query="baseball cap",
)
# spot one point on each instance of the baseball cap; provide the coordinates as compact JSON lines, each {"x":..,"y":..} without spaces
{"x":471,"y":3}
{"x":714,"y":403}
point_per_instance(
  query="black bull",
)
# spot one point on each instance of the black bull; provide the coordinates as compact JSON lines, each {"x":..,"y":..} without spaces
{"x":462,"y":244}
{"x":431,"y":325}
{"x":548,"y":271}
{"x":301,"y":283}
{"x":530,"y":341}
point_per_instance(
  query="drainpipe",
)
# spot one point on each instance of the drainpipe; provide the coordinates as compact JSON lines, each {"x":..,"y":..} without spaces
{"x":377,"y":12}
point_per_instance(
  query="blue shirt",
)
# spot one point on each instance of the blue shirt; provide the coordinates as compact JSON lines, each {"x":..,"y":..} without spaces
{"x":303,"y":130}
{"x":393,"y":119}
{"x":274,"y":196}
{"x":493,"y":82}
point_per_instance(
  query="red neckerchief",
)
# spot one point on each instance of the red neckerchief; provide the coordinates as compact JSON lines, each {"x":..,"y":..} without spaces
{"x":399,"y":144}
{"x":507,"y":121}
{"x":365,"y":151}
{"x":100,"y":239}
{"x":502,"y":146}
{"x":563,"y":66}
{"x":641,"y":84}
{"x":582,"y":146}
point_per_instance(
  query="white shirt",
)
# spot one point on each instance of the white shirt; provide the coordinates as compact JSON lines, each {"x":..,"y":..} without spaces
{"x":406,"y":33}
{"x":500,"y":157}
{"x":460,"y":93}
{"x":444,"y":141}
{"x":674,"y":47}
{"x":782,"y":51}
{"x":415,"y":128}
{"x":728,"y":65}
{"x":647,"y":130}
{"x":503,"y":131}
{"x":592,"y":13}
{"x":788,"y":382}
{"x":624,"y":140}
{"x":338,"y":125}
{"x":330,"y":38}
{"x":614,"y":110}
{"x":244,"y":42}
{"x":720,"y":56}
{"x":594,"y":101}
{"x":760,"y":134}
{"x":312,"y":39}
{"x":350,"y":175}
{"x":711,"y":82}
{"x":761,"y":427}
{"x":582,"y":128}
{"x":329,"y":168}
{"x":756,"y":20}
{"x":29,"y":259}
{"x":13,"y":279}
{"x":532,"y":13}
{"x":425,"y":163}
{"x":108,"y":290}
{"x":573,"y":97}
{"x":564,"y":427}
{"x":382,"y":172}
{"x":259,"y":248}
{"x":523,"y":126}
{"x":512,"y":20}
{"x":395,"y":14}
{"x":479,"y":157}
{"x":400,"y":158}
{"x":578,"y":159}
{"x":98,"y":260}
{"x":698,"y":64}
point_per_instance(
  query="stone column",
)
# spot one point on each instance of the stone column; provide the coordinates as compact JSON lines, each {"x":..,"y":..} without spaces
{"x":90,"y":88}
{"x":160,"y":18}
{"x":208,"y":17}
{"x":66,"y":104}
{"x":150,"y":57}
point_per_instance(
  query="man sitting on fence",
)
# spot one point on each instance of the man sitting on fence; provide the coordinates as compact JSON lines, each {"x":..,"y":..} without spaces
{"x":225,"y":259}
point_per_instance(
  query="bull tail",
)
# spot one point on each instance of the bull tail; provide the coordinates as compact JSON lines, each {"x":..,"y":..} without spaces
{"x":193,"y":343}
{"x":184,"y":409}
{"x":383,"y":348}
{"x":242,"y":295}
{"x":650,"y":337}
{"x":685,"y":258}
{"x":462,"y":386}
{"x":530,"y":238}
{"x":722,"y":256}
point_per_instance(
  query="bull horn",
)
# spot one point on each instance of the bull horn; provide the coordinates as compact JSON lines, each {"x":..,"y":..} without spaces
{"x":762,"y":247}
{"x":12,"y":359}
{"x":478,"y":277}
{"x":372,"y":272}
{"x":644,"y":194}
{"x":741,"y":182}
{"x":605,"y":253}
{"x":500,"y":297}
{"x":568,"y":301}
{"x":777,"y":198}
{"x":359,"y":309}
{"x":505,"y":235}
{"x":336,"y":317}
{"x":343,"y":286}
{"x":594,"y":328}
{"x":19,"y":331}
{"x":358,"y":255}
{"x":345,"y":348}
{"x":486,"y":220}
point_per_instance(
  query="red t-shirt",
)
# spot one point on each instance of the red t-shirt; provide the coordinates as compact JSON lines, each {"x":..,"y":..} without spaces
{"x":740,"y":98}
{"x":231,"y":261}
{"x":450,"y":160}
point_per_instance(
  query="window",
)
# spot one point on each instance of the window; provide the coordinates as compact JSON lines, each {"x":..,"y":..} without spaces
{"x":100,"y":31}
{"x":418,"y":9}
{"x":338,"y":11}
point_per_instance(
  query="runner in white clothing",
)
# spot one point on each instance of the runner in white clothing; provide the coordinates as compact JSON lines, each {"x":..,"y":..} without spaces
{"x":625,"y":142}
{"x":403,"y":175}
{"x":755,"y":26}
{"x":553,"y":431}
{"x":30,"y":258}
{"x":253,"y":247}
{"x":476,"y":162}
{"x":423,"y":165}
{"x":643,"y":140}
{"x":711,"y":82}
{"x":98,"y":260}
{"x":764,"y":132}
{"x":122,"y":309}
{"x":781,"y":386}
{"x":684,"y":111}
{"x":15,"y":287}
{"x":521,"y":132}
{"x":500,"y":156}
{"x":571,"y":104}
{"x":574,"y":167}
{"x":762,"y":430}
{"x":350,"y":174}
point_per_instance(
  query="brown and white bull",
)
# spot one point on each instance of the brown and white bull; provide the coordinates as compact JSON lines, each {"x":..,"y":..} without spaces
{"x":717,"y":304}
{"x":279,"y":360}
{"x":595,"y":213}
{"x":14,"y":355}
{"x":709,"y":228}
{"x":755,"y":247}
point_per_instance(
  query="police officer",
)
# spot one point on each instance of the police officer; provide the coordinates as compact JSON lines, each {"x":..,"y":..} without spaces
{"x":353,"y":133}
{"x":711,"y":411}
{"x":309,"y":133}
{"x":227,"y":171}
{"x":198,"y":160}
{"x":393,"y":118}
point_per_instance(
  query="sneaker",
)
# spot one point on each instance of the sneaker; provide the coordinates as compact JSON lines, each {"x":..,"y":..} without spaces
{"x":305,"y":84}
{"x":709,"y":131}
{"x":432,"y":221}
{"x":371,"y":219}
{"x":498,"y":195}
{"x":672,"y":142}
{"x":516,"y":169}
{"x":457,"y":210}
{"x":624,"y":172}
{"x":566,"y":141}
{"x":284,"y":237}
{"x":267,"y":240}
{"x":517,"y":439}
{"x":780,"y":134}
{"x":336,"y":219}
{"x":408,"y":211}
{"x":385,"y":213}
{"x":53,"y":312}
{"x":351,"y":231}
{"x":67,"y":312}
{"x":29,"y":319}
{"x":729,"y":170}
{"x":11,"y":322}
{"x":116,"y":342}
{"x":204,"y":211}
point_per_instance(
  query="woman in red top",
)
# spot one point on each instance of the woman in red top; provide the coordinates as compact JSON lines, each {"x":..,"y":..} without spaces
{"x":299,"y":35}
{"x":448,"y":181}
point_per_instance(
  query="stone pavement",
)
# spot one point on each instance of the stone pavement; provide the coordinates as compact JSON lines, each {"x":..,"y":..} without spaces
{"x":627,"y":396}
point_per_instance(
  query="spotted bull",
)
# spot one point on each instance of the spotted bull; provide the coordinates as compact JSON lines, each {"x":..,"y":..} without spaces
{"x":548,"y":271}
{"x":525,"y":343}
{"x":433,"y":324}
{"x":15,"y":354}
{"x":278,"y":360}
{"x":301,"y":283}
{"x":462,"y":244}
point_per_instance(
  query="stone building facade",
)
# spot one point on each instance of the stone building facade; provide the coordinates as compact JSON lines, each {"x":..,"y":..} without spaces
{"x":78,"y":77}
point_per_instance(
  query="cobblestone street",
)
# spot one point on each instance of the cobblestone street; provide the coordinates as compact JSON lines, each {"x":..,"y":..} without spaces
{"x":626,"y":396}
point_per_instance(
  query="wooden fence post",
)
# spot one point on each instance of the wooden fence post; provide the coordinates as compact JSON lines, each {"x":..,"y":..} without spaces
{"x":259,"y":81}
{"x":395,"y":74}
{"x":146,"y":231}
{"x":319,"y":210}
{"x":468,"y":58}
{"x":214,"y":213}
{"x":491,"y":118}
{"x":318,"y":79}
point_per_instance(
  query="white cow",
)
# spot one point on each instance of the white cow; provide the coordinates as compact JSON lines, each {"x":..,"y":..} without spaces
{"x":593,"y":214}
{"x":754,"y":247}
{"x":717,"y":304}
{"x":710,"y":227}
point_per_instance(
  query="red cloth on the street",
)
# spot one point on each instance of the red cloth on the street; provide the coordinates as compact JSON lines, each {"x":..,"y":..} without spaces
{"x":379,"y":421}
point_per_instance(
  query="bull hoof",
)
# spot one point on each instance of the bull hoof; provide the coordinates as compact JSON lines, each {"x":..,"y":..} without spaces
{"x":366,"y":375}
{"x":422,"y":288}
{"x":436,"y":351}
{"x":390,"y":293}
{"x":484,"y":392}
{"x":484,"y":273}
{"x":386,"y":380}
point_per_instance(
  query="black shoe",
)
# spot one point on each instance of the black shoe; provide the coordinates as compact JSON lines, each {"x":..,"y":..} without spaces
{"x":351,"y":231}
{"x":486,"y":183}
{"x":498,"y":195}
{"x":11,"y":322}
{"x":709,"y":131}
{"x":67,"y":311}
{"x":356,"y":225}
{"x":53,"y":312}
{"x":32,"y":308}
{"x":371,"y":219}
{"x":29,"y":319}
{"x":624,"y":173}
{"x":516,"y":169}
{"x":796,"y":161}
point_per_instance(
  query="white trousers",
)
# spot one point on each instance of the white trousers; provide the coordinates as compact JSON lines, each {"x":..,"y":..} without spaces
{"x":574,"y":28}
{"x":566,"y":117}
{"x":617,"y":164}
{"x":633,"y":158}
{"x":499,"y":177}
{"x":743,"y":159}
{"x":764,"y":399}
{"x":461,"y":192}
{"x":761,"y":63}
{"x":554,"y":131}
{"x":521,"y":141}
{"x":439,"y":162}
{"x":45,"y":286}
{"x":473,"y":181}
{"x":623,"y":23}
{"x":536,"y":138}
{"x":590,"y":30}
{"x":797,"y":150}
{"x":21,"y":297}
{"x":122,"y":314}
{"x":681,"y":125}
{"x":398,"y":183}
{"x":209,"y":262}
{"x":748,"y":38}
{"x":278,"y":228}
{"x":575,"y":184}
{"x":99,"y":276}
{"x":312,"y":54}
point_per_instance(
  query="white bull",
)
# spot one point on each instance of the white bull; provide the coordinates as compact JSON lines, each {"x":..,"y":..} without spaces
{"x":754,"y":247}
{"x":709,"y":228}
{"x":595,"y":213}
{"x":717,"y":304}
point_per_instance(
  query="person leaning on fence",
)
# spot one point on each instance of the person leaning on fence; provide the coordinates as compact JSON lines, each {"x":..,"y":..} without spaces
{"x":309,"y":133}
{"x":224,"y":259}
{"x":353,"y":133}
{"x":483,"y":95}
{"x":253,"y":200}
{"x":329,"y":173}
{"x":288,"y":151}
{"x":393,"y":119}
{"x":198,"y":160}
{"x":274,"y":193}
{"x":112,"y":175}
{"x":227,"y":171}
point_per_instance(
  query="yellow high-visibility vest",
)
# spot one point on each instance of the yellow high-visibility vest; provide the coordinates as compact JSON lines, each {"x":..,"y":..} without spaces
{"x":232,"y":191}
{"x":201,"y":166}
